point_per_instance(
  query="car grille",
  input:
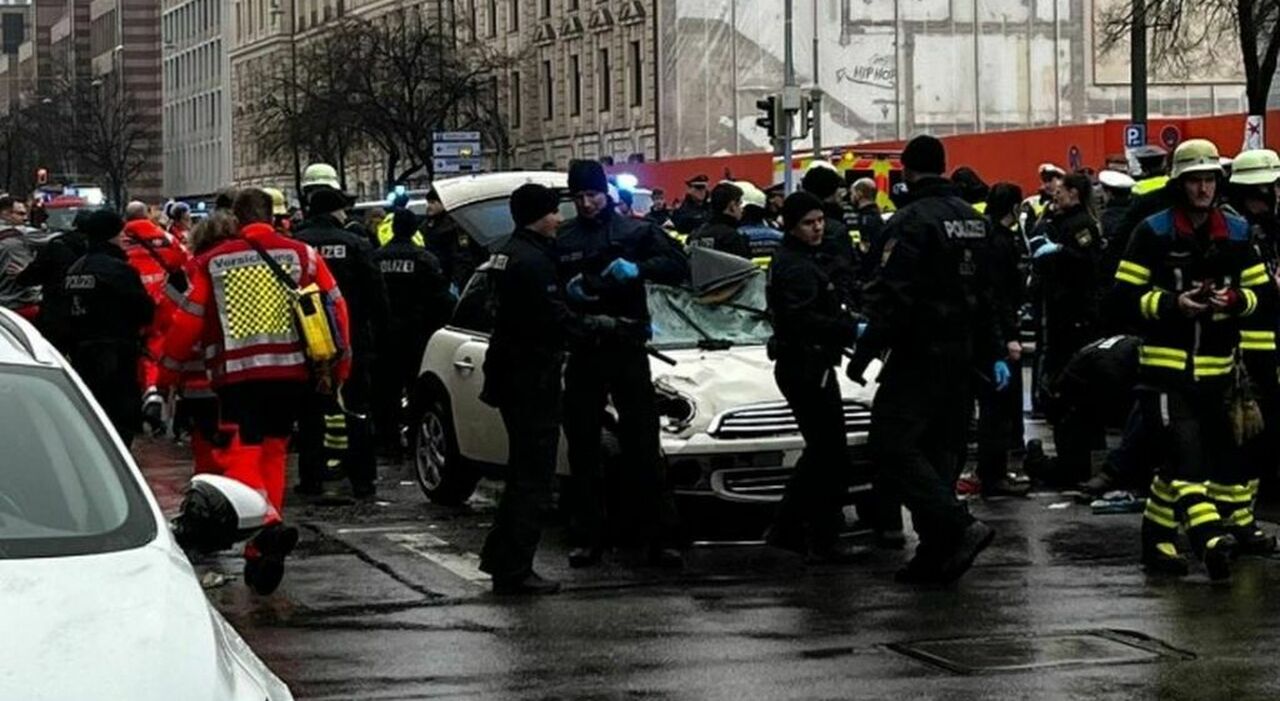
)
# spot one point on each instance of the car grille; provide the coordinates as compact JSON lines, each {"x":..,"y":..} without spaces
{"x":768,"y":420}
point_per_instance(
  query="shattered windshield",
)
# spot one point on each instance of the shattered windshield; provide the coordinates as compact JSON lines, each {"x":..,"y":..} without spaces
{"x":736,"y":318}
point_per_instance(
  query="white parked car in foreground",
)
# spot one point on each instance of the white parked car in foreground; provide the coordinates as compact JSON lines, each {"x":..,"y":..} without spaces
{"x":96,"y":599}
{"x":727,"y":432}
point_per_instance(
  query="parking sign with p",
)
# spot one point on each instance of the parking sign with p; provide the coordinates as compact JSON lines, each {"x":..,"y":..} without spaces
{"x":1135,"y":135}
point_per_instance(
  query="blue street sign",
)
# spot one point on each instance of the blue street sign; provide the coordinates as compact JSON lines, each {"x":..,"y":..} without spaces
{"x":1135,"y":135}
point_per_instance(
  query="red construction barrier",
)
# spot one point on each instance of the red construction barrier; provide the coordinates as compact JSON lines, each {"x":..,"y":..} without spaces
{"x":997,"y":156}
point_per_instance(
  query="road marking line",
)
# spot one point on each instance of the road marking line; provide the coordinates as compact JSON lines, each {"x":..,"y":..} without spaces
{"x":465,"y":565}
{"x":375,"y":529}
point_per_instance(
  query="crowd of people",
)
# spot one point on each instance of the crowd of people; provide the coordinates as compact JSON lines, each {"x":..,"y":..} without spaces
{"x":1151,"y":297}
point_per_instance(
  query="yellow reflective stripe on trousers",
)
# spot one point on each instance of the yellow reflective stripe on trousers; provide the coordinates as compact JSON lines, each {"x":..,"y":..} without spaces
{"x":1200,"y":514}
{"x":1163,"y":491}
{"x":1242,"y":517}
{"x":1254,"y":276}
{"x":1150,"y":304}
{"x":1235,"y":493}
{"x":1250,"y":302}
{"x":1158,"y":356}
{"x":1183,"y":489}
{"x":1213,"y":366}
{"x":1133,"y":273}
{"x":1258,"y":340}
{"x":1160,"y":515}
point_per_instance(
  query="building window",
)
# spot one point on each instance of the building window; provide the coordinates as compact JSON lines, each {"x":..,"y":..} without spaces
{"x":637,"y":75}
{"x":546,"y":8}
{"x":573,"y":5}
{"x":606,"y":84}
{"x":548,"y":91}
{"x":513,"y":16}
{"x":515,"y":100}
{"x":493,"y":18}
{"x":575,"y":86}
{"x":475,"y":21}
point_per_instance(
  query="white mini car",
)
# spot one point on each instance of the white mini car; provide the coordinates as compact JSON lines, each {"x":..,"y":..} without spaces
{"x":98,"y":601}
{"x":727,"y":433}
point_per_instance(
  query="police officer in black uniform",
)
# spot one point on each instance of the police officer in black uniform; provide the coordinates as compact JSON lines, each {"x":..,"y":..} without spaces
{"x":694,"y":209}
{"x":929,"y":304}
{"x":1068,"y":271}
{"x":1000,"y":412}
{"x":823,"y":181}
{"x":420,"y":304}
{"x":49,"y":269}
{"x":606,"y":261}
{"x":103,"y":310}
{"x":721,"y":232}
{"x":522,"y":380}
{"x":811,"y":329}
{"x":349,"y":258}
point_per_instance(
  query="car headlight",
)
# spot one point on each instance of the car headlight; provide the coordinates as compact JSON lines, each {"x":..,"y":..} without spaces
{"x":676,"y":410}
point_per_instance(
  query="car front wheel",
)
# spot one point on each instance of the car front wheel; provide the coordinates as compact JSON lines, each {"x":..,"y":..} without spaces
{"x":441,"y":472}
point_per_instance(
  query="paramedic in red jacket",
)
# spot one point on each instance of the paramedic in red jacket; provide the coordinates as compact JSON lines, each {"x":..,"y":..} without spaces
{"x":154,"y":253}
{"x":240,"y":314}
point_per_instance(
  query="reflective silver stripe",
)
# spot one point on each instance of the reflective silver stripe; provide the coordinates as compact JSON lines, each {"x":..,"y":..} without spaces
{"x":1164,"y":409}
{"x":274,"y":360}
{"x":185,"y":304}
{"x":335,"y":295}
{"x":211,"y":351}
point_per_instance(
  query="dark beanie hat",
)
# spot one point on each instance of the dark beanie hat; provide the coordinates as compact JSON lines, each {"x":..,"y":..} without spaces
{"x":404,"y":224}
{"x":925,"y":154}
{"x":587,"y":175}
{"x":531,"y":202}
{"x":326,"y":200}
{"x":102,"y":225}
{"x":796,"y":206}
{"x":821,"y":182}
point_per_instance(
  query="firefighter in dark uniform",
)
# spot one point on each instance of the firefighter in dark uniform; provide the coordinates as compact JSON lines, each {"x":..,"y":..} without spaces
{"x":1188,"y":280}
{"x":1252,"y":193}
{"x":929,"y":306}
{"x":522,"y":380}
{"x":1067,"y":272}
{"x":721,"y":232}
{"x":605,"y":261}
{"x":103,"y":310}
{"x":420,"y":304}
{"x":811,"y":329}
{"x":329,"y":429}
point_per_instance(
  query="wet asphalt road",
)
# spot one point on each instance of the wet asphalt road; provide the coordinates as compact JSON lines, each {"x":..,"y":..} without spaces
{"x":382,"y":601}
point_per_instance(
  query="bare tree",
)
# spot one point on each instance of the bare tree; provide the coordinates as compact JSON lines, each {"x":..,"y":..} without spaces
{"x":1187,"y":36}
{"x":392,"y":84}
{"x":110,"y":138}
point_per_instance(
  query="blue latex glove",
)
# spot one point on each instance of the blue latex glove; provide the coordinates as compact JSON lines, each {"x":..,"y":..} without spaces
{"x":1002,"y":375}
{"x":576,"y":291}
{"x":622,"y":270}
{"x":860,"y":330}
{"x":1047,"y":250}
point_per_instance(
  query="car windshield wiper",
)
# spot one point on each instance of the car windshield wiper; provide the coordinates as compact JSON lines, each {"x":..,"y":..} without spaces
{"x":708,"y":341}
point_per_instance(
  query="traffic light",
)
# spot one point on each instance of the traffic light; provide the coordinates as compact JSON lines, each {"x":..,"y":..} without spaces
{"x":808,"y":113}
{"x":769,"y":120}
